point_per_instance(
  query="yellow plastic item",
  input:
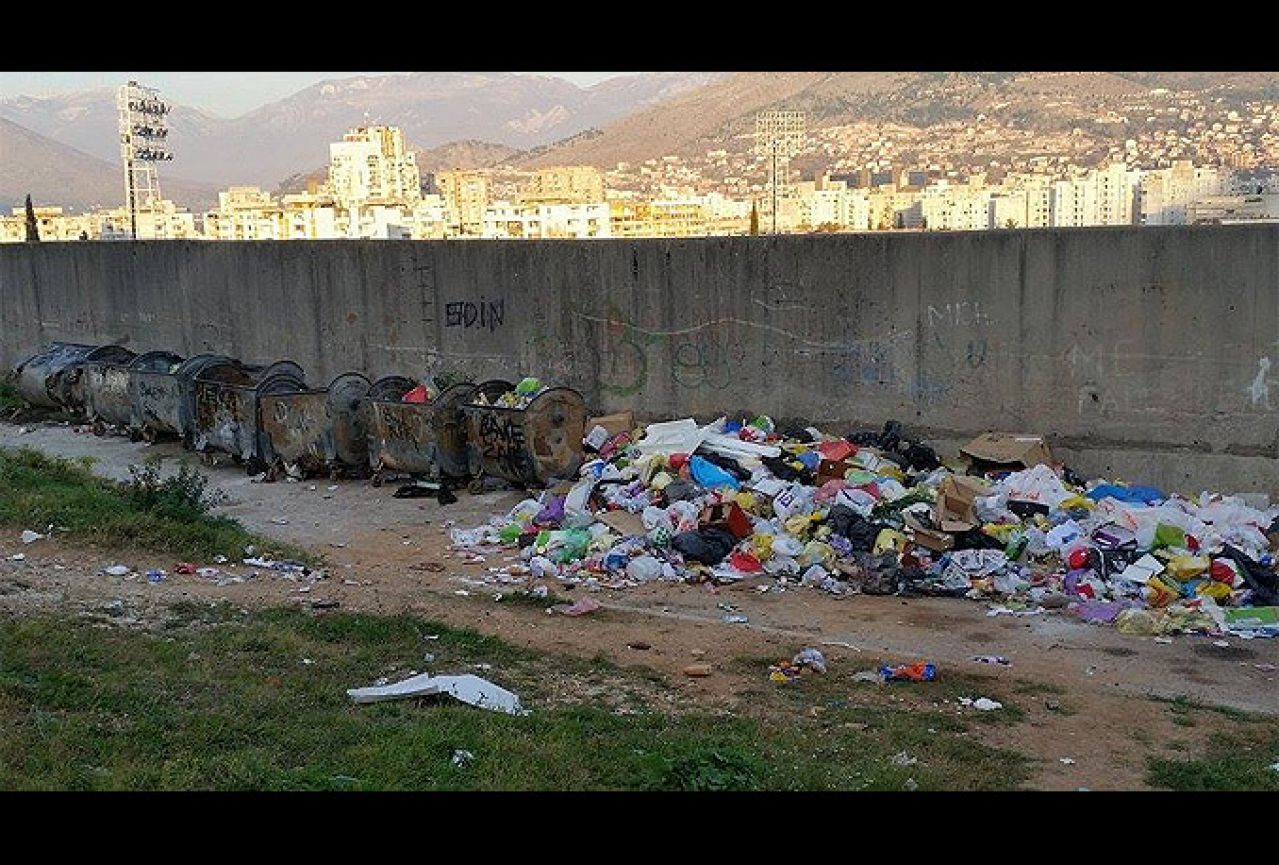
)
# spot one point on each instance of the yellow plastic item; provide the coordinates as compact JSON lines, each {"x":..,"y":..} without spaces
{"x":1077,"y":502}
{"x":1160,"y":594}
{"x":889,"y":539}
{"x":798,"y":524}
{"x":1000,"y":531}
{"x":1213,"y":589}
{"x":661,"y":481}
{"x":1186,"y":567}
{"x":746,"y":501}
{"x":891,"y":471}
{"x":816,"y":553}
{"x":763,"y":546}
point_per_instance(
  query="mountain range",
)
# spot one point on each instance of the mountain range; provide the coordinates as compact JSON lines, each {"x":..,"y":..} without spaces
{"x":67,"y":144}
{"x":292,"y":135}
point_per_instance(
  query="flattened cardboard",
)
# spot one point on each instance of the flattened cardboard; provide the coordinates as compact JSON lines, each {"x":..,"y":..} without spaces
{"x":624,"y":523}
{"x":618,"y":422}
{"x":996,"y":450}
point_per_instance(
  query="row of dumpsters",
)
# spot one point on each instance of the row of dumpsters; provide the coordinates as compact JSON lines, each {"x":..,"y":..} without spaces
{"x":267,"y":418}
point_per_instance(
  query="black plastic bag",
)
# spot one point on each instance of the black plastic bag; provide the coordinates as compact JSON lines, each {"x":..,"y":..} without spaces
{"x":708,"y":546}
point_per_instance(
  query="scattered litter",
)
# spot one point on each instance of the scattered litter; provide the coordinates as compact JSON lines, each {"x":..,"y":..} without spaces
{"x":1066,"y":761}
{"x":1265,"y":668}
{"x":156,"y":576}
{"x":697,"y":670}
{"x":207,"y":572}
{"x":639,"y":646}
{"x":1164,"y":640}
{"x":30,"y":537}
{"x":18,"y":557}
{"x":917,"y":672}
{"x":118,"y":570}
{"x":279,"y":521}
{"x":1221,"y":644}
{"x":462,"y":592}
{"x":841,"y":644}
{"x":324,"y":605}
{"x":735,"y":619}
{"x":307,"y":662}
{"x":581,"y":607}
{"x":996,"y":660}
{"x":901,"y":758}
{"x":467,"y":688}
{"x":868,"y":676}
{"x":461,"y":758}
{"x":911,"y":784}
{"x":184,"y":568}
{"x":984,"y":704}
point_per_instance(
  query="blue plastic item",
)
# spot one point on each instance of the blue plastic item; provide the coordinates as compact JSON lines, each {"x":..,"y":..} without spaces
{"x":810,"y":459}
{"x":710,"y":475}
{"x":1128,"y":495}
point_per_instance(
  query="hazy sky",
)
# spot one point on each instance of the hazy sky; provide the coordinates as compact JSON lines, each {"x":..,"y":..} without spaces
{"x":226,"y":93}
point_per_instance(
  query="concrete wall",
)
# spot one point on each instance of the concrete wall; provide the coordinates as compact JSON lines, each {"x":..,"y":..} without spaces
{"x":1135,"y":350}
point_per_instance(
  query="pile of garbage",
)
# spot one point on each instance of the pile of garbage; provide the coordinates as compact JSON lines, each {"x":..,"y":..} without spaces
{"x":876,"y":512}
{"x":520,"y":397}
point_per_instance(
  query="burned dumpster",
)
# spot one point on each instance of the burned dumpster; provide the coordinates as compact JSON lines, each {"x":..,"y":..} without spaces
{"x":312,"y":431}
{"x":108,"y":391}
{"x":226,"y":408}
{"x":51,"y":378}
{"x":420,"y":439}
{"x":165,"y":400}
{"x":529,"y":435}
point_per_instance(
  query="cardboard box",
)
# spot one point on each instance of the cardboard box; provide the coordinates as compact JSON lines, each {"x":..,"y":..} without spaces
{"x":954,"y":511}
{"x":619,"y":422}
{"x":931,"y":538}
{"x":1006,"y":451}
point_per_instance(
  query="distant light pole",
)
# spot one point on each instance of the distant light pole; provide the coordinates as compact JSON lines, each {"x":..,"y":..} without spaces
{"x":779,"y":135}
{"x":143,"y":134}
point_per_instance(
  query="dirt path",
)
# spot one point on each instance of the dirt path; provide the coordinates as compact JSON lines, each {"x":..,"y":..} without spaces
{"x":1084,"y":689}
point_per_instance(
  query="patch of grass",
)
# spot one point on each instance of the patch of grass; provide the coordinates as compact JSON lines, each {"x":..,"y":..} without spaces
{"x":9,"y":399}
{"x":162,"y":516}
{"x":1229,"y":763}
{"x":224,"y":700}
{"x":1182,"y":704}
{"x":1025,"y":686}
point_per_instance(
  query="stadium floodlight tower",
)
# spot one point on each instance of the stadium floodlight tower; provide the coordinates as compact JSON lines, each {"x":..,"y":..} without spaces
{"x":779,"y":135}
{"x":143,"y":143}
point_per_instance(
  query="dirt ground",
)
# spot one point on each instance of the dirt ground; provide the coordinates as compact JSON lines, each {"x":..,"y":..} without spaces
{"x":1086,"y":690}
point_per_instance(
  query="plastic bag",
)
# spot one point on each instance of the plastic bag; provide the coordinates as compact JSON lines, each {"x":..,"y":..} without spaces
{"x":577,"y":510}
{"x":710,"y":475}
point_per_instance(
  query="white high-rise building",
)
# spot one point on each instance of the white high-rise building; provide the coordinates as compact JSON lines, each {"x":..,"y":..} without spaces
{"x":371,"y":166}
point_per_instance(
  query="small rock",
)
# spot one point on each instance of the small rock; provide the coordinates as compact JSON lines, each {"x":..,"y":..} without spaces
{"x":697,"y":670}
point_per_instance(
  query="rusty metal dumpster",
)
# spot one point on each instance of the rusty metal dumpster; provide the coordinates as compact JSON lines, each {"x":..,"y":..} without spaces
{"x":108,"y":391}
{"x":51,"y":378}
{"x":424,"y":440}
{"x":530,"y":445}
{"x":165,"y":401}
{"x":315,"y":430}
{"x":227,"y":419}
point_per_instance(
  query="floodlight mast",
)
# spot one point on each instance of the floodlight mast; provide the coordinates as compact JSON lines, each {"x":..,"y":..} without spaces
{"x":779,"y":135}
{"x":143,"y":143}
